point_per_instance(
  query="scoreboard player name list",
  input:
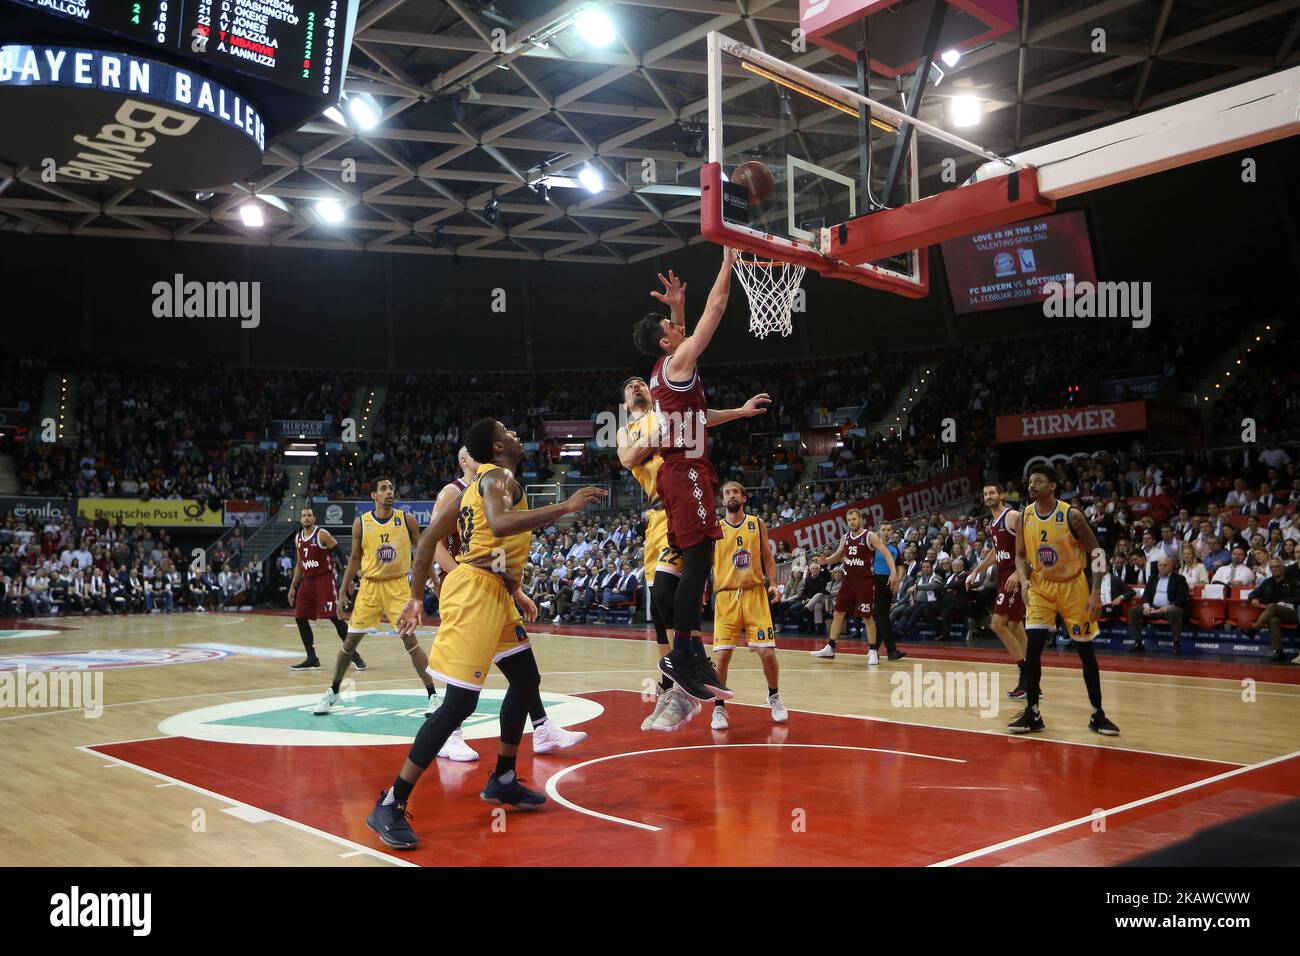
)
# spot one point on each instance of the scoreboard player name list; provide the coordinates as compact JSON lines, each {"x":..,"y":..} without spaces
{"x":253,"y":31}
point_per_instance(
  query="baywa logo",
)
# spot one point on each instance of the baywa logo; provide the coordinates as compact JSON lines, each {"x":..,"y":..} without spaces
{"x":365,"y":718}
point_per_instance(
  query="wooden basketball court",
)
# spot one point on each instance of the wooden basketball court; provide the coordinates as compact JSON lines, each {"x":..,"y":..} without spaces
{"x":209,"y":755}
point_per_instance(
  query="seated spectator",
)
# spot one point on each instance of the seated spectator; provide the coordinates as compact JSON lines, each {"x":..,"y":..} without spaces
{"x":38,"y":593}
{"x":1279,"y":596}
{"x":1165,"y":598}
{"x":1190,"y":567}
{"x":1235,"y":574}
{"x":158,"y":596}
{"x":922,"y":600}
{"x":1114,"y":590}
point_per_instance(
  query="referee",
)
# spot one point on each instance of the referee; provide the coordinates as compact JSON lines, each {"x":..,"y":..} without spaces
{"x":884,"y":594}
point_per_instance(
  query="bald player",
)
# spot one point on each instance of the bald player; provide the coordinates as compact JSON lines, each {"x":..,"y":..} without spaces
{"x":1008,"y":621}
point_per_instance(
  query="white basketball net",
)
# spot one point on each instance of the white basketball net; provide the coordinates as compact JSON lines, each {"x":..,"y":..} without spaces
{"x":771,"y":286}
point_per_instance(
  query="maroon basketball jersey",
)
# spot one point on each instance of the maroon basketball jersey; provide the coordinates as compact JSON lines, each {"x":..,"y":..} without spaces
{"x":1004,"y":542}
{"x":315,"y":557}
{"x":453,"y":539}
{"x":682,"y":412}
{"x":858,"y":557}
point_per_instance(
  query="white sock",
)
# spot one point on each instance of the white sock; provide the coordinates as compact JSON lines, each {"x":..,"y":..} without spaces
{"x":389,"y":800}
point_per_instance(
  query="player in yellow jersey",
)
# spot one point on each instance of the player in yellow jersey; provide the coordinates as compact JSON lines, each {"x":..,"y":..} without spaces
{"x":480,"y":604}
{"x":637,"y":453}
{"x":744,"y":582}
{"x":382,"y":540}
{"x":1057,"y":553}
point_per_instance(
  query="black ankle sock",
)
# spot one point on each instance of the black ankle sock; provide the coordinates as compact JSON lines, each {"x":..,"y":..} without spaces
{"x":402,"y":791}
{"x":431,"y":690}
{"x":335,"y":686}
{"x":697,"y":647}
{"x":681,"y":644}
{"x":719,"y":703}
{"x":831,"y":641}
{"x":666,"y":683}
{"x":771,"y":692}
{"x":504,"y":765}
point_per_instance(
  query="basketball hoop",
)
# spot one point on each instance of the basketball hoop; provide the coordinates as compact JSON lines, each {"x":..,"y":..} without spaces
{"x":771,"y":286}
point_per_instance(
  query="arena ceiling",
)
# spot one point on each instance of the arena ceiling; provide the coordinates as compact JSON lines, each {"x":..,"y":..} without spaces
{"x":463,"y":125}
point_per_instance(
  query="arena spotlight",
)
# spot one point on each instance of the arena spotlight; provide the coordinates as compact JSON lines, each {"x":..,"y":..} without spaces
{"x":950,"y":58}
{"x":542,"y":190}
{"x":251,"y":214}
{"x":966,"y":110}
{"x":335,"y":115}
{"x":591,"y":178}
{"x":204,"y":196}
{"x":492,"y":211}
{"x":595,"y":27}
{"x":330,"y":211}
{"x":364,"y":110}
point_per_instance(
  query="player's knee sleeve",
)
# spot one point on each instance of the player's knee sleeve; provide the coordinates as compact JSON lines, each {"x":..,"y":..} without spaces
{"x":458,"y":704}
{"x":304,"y":629}
{"x":661,"y":625}
{"x":662,"y":598}
{"x":525,"y":680}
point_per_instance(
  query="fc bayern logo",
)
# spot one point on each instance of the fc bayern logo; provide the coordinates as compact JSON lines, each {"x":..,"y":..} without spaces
{"x":1047,"y":556}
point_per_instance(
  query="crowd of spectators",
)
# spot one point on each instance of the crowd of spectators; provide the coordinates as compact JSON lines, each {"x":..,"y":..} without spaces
{"x":65,"y":566}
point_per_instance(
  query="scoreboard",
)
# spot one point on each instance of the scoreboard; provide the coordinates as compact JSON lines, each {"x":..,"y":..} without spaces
{"x":301,"y":45}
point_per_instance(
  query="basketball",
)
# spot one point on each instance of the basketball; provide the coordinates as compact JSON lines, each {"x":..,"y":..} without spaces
{"x":755,"y":177}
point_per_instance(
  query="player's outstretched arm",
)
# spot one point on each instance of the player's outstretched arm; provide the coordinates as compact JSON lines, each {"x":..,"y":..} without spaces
{"x":755,"y":406}
{"x":673,"y":296}
{"x":498,"y":504}
{"x":836,"y":556}
{"x":682,"y":363}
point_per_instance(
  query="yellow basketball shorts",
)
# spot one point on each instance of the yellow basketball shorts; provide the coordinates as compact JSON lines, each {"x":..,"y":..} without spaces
{"x":480,"y":626}
{"x":375,"y":597}
{"x":742,"y":613}
{"x":1069,"y":599}
{"x":659,"y":554}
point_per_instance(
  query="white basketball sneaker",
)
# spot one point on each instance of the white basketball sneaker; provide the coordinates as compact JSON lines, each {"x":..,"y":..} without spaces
{"x":873,"y":657}
{"x":326,"y":703}
{"x":826,"y":653}
{"x":678,"y":710}
{"x":720,"y":721}
{"x":456,"y":749}
{"x":661,"y":699}
{"x":551,"y":736}
{"x":779,"y":713}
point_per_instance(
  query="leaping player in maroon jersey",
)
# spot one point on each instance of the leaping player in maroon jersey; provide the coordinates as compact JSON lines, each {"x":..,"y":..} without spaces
{"x":687,"y":483}
{"x":313,"y":591}
{"x":547,"y":735}
{"x":1008,"y":620}
{"x":856,"y":554}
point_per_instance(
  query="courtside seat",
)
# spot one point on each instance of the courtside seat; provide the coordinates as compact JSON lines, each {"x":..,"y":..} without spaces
{"x":1209,"y":606}
{"x":1240,"y":614}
